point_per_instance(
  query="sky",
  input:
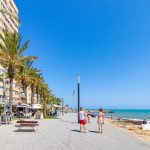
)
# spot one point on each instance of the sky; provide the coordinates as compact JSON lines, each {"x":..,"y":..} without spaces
{"x":107,"y":42}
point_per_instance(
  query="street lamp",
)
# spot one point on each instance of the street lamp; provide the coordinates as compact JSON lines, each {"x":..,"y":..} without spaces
{"x":62,"y":106}
{"x":78,"y":78}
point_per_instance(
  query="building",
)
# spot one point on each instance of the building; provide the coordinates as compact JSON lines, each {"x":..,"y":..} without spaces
{"x":10,"y":23}
{"x":7,"y":22}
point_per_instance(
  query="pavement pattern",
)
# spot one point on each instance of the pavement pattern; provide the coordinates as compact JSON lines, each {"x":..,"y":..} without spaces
{"x":63,"y":134}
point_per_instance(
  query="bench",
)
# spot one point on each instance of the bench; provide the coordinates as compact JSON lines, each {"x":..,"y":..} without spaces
{"x":31,"y":124}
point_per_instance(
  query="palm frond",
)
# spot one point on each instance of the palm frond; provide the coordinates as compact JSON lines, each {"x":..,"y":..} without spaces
{"x":28,"y":58}
{"x":23,"y":48}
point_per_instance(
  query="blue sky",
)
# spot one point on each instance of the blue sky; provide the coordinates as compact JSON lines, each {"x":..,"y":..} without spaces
{"x":106,"y":41}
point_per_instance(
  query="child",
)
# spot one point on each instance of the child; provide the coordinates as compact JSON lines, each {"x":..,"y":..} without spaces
{"x":89,"y":116}
{"x":82,"y":120}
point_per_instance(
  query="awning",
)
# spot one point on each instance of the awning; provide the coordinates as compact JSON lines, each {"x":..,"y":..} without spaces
{"x":1,"y":103}
{"x":36,"y":106}
{"x":22,"y":106}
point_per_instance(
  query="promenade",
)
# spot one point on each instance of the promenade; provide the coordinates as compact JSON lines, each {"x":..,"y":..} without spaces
{"x":63,"y":134}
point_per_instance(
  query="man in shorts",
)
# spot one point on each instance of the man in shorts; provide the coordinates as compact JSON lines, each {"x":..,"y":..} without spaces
{"x":82,"y":118}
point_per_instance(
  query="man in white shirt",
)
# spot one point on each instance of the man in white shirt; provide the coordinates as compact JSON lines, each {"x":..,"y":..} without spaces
{"x":82,"y":118}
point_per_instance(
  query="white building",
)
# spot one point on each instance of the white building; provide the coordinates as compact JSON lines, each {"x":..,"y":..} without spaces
{"x":7,"y":22}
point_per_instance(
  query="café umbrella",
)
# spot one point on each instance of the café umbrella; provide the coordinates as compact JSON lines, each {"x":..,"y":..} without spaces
{"x":36,"y":106}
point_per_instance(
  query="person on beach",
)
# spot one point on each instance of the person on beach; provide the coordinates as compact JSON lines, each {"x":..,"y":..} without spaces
{"x":82,"y":120}
{"x":89,"y":116}
{"x":100,"y":121}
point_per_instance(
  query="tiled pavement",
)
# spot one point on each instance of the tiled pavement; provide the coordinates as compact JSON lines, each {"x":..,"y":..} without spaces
{"x":63,"y":134}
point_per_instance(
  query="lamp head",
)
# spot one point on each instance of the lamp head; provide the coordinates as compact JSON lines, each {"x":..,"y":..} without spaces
{"x":78,"y":78}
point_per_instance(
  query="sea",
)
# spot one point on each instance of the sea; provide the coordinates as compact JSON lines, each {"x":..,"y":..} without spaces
{"x":130,"y":113}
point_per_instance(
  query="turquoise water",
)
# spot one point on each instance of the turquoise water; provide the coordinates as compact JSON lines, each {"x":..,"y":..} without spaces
{"x":131,"y":113}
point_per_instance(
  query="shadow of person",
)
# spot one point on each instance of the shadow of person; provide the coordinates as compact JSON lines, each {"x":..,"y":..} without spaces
{"x":69,"y":122}
{"x":93,"y":131}
{"x":75,"y":130}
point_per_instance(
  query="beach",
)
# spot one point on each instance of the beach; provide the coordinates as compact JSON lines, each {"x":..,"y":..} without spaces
{"x":131,"y":127}
{"x":130,"y":120}
{"x":63,"y":134}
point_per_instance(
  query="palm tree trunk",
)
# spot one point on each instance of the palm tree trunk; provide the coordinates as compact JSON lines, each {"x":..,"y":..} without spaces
{"x":24,"y":85}
{"x":44,"y":107}
{"x":26,"y":96}
{"x":41,"y":98}
{"x":37,"y":93}
{"x":11,"y":73}
{"x":25,"y":93}
{"x":32,"y":94}
{"x":10,"y":94}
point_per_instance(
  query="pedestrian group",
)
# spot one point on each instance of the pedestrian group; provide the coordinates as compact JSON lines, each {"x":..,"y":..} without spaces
{"x":83,"y":118}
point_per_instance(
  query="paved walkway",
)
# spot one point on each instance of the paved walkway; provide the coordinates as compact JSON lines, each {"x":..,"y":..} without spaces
{"x":63,"y":134}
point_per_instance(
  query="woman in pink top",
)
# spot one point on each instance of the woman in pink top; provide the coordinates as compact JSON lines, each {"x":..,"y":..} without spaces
{"x":100,"y":121}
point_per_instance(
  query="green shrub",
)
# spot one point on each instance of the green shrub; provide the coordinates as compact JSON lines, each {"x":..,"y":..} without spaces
{"x":1,"y":109}
{"x":44,"y":107}
{"x":50,"y":117}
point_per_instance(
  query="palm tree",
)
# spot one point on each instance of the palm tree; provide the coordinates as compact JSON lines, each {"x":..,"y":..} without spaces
{"x":45,"y":97}
{"x":53,"y":99}
{"x":34,"y":76}
{"x":38,"y":85}
{"x":11,"y":57}
{"x":44,"y":91}
{"x":23,"y":76}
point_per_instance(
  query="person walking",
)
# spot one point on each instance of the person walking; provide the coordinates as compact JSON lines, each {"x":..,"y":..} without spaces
{"x":7,"y":118}
{"x":82,"y":119}
{"x":100,"y":121}
{"x":89,"y":116}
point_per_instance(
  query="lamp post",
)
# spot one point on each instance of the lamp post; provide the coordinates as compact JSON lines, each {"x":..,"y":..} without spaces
{"x":62,"y":106}
{"x":73,"y":96}
{"x":78,"y":78}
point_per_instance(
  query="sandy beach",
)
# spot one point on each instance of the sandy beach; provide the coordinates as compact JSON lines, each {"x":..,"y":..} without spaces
{"x":131,"y":128}
{"x":63,"y":134}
